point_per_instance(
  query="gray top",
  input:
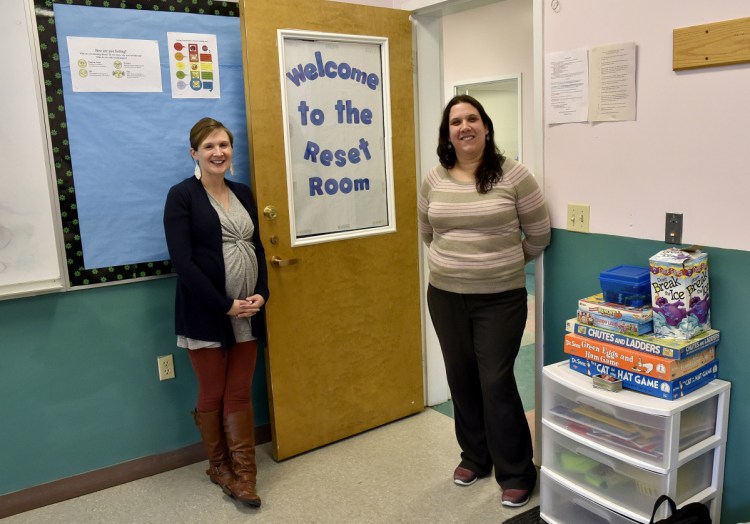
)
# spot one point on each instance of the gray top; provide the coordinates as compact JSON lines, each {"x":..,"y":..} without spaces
{"x":240,"y":266}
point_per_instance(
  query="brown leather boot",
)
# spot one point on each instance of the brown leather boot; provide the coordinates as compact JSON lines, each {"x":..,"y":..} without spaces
{"x":239,"y":429}
{"x":212,"y":433}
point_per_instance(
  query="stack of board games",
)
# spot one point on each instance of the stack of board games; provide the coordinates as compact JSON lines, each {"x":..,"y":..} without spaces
{"x":653,"y":364}
{"x":595,"y":311}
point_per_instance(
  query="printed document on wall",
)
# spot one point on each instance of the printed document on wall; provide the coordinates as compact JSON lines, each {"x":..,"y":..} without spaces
{"x":612,"y":83}
{"x":194,"y":65}
{"x":114,"y":65}
{"x":567,"y":88}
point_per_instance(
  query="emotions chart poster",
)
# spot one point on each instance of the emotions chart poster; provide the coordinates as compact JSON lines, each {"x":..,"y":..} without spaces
{"x":114,"y":65}
{"x":193,"y":65}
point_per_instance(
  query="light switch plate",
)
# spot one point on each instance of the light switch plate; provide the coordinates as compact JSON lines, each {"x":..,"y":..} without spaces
{"x":578,"y":217}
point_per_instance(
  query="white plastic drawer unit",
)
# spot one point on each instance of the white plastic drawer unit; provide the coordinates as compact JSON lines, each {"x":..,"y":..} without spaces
{"x":618,"y":484}
{"x":650,"y":432}
{"x":560,"y":505}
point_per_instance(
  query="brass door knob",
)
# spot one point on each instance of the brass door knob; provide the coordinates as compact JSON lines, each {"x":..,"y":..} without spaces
{"x":270,"y":212}
{"x":283,"y":262}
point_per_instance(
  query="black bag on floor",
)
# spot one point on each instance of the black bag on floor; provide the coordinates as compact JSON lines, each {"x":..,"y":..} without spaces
{"x":693,"y":513}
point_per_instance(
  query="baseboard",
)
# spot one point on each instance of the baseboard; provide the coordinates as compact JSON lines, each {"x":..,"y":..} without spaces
{"x":85,"y":483}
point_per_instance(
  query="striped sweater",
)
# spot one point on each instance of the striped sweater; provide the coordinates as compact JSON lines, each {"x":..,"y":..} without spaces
{"x":480,"y":243}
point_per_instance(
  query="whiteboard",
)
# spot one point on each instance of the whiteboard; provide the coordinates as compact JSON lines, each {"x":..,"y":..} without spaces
{"x":30,"y":253}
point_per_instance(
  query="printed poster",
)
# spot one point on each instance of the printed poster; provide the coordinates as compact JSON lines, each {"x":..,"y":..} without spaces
{"x":193,"y":65}
{"x":567,"y":86}
{"x":337,"y":132}
{"x":114,"y":65}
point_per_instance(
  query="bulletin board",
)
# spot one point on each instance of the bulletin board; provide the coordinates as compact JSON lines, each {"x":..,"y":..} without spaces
{"x":117,"y":152}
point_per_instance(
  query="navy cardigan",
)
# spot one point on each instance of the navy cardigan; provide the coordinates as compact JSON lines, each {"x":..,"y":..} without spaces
{"x":193,"y":232}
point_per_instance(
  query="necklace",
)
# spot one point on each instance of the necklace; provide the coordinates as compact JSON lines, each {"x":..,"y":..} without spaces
{"x":220,"y":194}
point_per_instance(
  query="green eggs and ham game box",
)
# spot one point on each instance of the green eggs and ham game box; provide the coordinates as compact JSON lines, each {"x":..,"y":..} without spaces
{"x":680,"y":295}
{"x":666,"y":389}
{"x":676,"y":348}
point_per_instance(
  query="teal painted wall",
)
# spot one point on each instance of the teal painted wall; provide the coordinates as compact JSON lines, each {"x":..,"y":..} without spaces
{"x":572,"y":265}
{"x":79,"y":386}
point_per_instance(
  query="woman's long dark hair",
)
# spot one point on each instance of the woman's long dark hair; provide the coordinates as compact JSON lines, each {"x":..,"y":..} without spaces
{"x":490,"y":170}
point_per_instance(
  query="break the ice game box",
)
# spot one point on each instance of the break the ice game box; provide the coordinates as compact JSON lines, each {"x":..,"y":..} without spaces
{"x":680,"y":295}
{"x":667,"y":389}
{"x":633,"y":360}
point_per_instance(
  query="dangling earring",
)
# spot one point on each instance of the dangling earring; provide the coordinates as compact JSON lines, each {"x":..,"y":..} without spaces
{"x":487,"y":137}
{"x":450,"y":146}
{"x":197,"y":171}
{"x":231,"y":169}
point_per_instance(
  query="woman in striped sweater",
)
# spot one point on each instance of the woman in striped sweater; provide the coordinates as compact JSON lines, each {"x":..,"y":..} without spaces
{"x":483,"y":217}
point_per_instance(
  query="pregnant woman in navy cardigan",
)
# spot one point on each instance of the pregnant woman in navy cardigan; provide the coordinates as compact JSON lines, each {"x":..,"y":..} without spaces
{"x":212,"y":235}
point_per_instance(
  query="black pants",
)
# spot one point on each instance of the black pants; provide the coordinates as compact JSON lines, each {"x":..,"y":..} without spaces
{"x":480,"y":335}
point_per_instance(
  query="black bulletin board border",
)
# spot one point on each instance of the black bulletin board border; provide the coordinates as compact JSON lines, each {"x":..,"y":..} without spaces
{"x":53,"y":89}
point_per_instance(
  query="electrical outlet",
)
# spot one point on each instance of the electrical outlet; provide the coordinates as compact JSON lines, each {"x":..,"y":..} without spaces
{"x":166,"y":367}
{"x":578,"y":217}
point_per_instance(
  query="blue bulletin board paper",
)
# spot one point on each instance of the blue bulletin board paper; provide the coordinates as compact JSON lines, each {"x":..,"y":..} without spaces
{"x":128,"y":149}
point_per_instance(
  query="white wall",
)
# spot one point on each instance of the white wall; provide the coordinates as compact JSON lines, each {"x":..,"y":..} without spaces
{"x":489,"y":42}
{"x":687,"y":151}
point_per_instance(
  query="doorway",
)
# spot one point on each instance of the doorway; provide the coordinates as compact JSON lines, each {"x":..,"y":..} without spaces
{"x":501,"y":98}
{"x":445,"y":60}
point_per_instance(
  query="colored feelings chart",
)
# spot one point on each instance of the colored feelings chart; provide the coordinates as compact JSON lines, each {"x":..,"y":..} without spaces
{"x":194,"y":65}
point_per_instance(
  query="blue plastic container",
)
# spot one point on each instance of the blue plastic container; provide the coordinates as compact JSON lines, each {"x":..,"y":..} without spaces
{"x":627,"y":285}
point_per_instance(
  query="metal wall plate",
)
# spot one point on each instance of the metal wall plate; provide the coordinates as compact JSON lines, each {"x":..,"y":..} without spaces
{"x":673,"y":229}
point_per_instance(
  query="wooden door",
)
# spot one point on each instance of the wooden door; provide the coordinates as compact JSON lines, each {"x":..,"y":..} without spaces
{"x":344,"y":352}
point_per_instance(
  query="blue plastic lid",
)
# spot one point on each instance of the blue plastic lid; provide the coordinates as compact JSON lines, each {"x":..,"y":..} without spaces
{"x":625,"y":274}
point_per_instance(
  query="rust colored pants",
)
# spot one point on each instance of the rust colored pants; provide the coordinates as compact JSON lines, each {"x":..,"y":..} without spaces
{"x":225,"y":377}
